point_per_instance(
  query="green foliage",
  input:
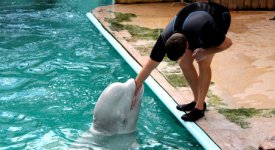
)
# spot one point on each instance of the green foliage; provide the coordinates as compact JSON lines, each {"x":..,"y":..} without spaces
{"x":214,"y":100}
{"x":177,"y":80}
{"x":269,"y":113}
{"x":137,"y":32}
{"x":144,"y":50}
{"x":238,"y":116}
{"x":120,"y":17}
{"x":142,"y":32}
{"x":272,"y":112}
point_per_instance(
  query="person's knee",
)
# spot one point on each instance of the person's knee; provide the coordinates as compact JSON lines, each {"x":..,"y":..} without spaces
{"x":186,"y":61}
{"x":204,"y":65}
{"x":185,"y":64}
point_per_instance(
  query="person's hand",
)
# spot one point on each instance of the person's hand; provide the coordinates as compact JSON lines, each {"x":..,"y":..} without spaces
{"x":199,"y":54}
{"x":138,"y":87}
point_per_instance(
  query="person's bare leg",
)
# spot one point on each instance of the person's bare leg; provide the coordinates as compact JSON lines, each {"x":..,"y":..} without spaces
{"x":204,"y":80}
{"x":189,"y":71}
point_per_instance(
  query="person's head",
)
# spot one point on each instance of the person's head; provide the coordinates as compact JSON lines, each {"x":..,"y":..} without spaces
{"x":175,"y":46}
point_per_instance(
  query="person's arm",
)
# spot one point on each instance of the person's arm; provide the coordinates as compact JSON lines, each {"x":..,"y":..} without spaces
{"x":145,"y":72}
{"x":156,"y":56}
{"x":225,"y":45}
{"x":200,"y":53}
{"x":142,"y":76}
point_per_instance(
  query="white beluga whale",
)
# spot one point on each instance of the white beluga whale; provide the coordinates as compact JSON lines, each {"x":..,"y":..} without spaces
{"x":113,"y":113}
{"x":114,"y":121}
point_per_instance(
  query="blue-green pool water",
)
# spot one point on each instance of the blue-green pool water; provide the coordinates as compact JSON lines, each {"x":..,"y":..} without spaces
{"x":54,"y":64}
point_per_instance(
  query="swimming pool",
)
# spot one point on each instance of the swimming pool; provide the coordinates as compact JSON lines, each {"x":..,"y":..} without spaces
{"x":53,"y":66}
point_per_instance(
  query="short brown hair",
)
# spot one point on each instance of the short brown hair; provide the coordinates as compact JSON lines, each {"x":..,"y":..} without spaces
{"x":175,"y":46}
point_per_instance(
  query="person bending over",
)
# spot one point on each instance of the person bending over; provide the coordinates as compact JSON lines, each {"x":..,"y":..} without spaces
{"x":197,"y":32}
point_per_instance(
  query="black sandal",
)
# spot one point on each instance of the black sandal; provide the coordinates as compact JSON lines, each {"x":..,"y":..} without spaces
{"x":187,"y":107}
{"x":190,"y":106}
{"x":193,"y":115}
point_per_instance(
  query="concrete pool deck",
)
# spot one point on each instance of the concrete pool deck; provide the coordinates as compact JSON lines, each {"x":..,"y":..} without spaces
{"x":243,"y":76}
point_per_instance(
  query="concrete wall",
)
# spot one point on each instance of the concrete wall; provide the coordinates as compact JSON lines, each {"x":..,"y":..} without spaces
{"x":142,"y":1}
{"x":231,"y":4}
{"x":245,"y":4}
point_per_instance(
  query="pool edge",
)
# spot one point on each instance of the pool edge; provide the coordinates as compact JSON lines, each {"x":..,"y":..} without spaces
{"x":193,"y":128}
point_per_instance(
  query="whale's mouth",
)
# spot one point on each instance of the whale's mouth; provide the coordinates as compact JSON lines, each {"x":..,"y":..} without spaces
{"x":131,"y":85}
{"x":140,"y":92}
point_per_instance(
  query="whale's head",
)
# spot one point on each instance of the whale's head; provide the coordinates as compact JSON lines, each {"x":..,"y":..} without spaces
{"x":113,"y":113}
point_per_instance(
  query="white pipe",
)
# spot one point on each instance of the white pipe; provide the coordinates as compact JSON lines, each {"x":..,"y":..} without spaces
{"x":193,"y":128}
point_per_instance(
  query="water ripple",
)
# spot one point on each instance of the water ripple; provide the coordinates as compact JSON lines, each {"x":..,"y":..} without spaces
{"x":8,"y":83}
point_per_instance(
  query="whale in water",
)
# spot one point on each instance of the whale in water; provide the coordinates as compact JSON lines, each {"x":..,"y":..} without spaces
{"x":114,"y":121}
{"x":113,"y":113}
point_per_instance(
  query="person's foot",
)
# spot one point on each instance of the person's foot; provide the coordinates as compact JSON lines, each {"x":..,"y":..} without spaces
{"x":189,"y":106}
{"x":194,"y":115}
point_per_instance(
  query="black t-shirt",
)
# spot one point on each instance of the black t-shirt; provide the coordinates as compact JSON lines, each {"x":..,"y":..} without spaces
{"x":203,"y":24}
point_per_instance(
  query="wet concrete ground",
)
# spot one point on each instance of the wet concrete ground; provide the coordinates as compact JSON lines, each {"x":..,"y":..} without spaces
{"x":243,"y":75}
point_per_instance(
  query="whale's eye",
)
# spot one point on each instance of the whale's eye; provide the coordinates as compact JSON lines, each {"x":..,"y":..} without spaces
{"x":124,"y":121}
